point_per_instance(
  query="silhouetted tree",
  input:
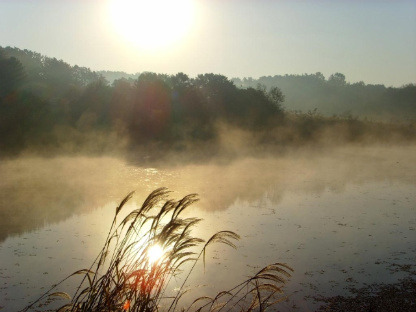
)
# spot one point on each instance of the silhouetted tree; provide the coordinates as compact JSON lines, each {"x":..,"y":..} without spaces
{"x":277,"y":97}
{"x":337,"y":79}
{"x":11,"y":75}
{"x":42,"y":98}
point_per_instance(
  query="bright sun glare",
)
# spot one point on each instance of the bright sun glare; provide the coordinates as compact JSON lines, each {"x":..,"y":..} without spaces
{"x":154,"y":253}
{"x":152,"y":24}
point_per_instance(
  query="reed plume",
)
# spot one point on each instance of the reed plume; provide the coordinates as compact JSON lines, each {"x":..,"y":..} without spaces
{"x":125,"y":277}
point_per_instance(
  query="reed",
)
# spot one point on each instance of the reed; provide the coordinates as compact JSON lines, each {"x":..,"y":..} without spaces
{"x":145,"y":250}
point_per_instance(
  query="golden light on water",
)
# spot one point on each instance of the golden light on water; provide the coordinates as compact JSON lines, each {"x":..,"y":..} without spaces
{"x":152,"y":24}
{"x":155,"y":253}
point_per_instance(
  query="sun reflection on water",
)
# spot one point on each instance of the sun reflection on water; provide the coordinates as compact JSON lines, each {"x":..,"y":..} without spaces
{"x":155,"y":253}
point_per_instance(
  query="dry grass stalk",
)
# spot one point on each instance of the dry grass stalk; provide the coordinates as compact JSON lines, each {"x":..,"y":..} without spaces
{"x":124,"y":278}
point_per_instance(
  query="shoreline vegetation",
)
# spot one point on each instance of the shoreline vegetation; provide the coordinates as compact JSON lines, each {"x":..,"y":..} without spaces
{"x":399,"y":296}
{"x":124,"y":277}
{"x":48,"y":108}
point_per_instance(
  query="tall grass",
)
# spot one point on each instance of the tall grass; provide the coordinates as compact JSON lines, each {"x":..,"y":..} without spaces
{"x":125,"y":277}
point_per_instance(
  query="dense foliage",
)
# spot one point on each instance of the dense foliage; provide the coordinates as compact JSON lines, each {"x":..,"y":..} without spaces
{"x":46,"y":104}
{"x":40,"y":94}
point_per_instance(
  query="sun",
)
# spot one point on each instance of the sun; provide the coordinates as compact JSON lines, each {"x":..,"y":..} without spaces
{"x":152,"y":24}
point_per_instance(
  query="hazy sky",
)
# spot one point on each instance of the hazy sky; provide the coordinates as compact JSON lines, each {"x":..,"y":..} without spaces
{"x":373,"y":41}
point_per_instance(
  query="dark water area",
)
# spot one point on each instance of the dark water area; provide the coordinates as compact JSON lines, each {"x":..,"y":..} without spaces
{"x":341,"y":218}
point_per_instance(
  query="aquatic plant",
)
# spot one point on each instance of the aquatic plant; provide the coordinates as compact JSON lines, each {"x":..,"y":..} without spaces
{"x":380,"y":297}
{"x":146,"y":249}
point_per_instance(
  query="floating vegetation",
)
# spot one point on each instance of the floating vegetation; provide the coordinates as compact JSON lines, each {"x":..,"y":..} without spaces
{"x":145,"y":251}
{"x":399,"y":296}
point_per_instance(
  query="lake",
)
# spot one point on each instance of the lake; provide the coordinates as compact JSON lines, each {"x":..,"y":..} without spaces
{"x":341,"y":218}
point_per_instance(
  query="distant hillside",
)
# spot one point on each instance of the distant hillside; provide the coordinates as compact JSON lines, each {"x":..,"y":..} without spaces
{"x":335,"y":96}
{"x":304,"y":93}
{"x":47,"y":105}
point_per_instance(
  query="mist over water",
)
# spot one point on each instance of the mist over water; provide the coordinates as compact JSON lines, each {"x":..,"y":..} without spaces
{"x":321,"y":210}
{"x":37,"y":191}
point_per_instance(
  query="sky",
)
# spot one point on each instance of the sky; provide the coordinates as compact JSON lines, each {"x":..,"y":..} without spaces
{"x":370,"y":41}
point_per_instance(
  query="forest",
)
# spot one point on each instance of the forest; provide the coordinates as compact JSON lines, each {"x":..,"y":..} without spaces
{"x":335,"y":96}
{"x":48,"y":106}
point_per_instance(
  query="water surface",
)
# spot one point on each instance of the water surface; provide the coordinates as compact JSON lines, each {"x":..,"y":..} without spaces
{"x":340,"y":218}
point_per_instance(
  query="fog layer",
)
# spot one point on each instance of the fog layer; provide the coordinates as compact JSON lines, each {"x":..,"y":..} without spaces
{"x":36,"y":191}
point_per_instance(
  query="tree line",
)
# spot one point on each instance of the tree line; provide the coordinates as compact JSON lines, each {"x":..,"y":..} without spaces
{"x":39,"y":94}
{"x":335,"y":96}
{"x":45,"y":102}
